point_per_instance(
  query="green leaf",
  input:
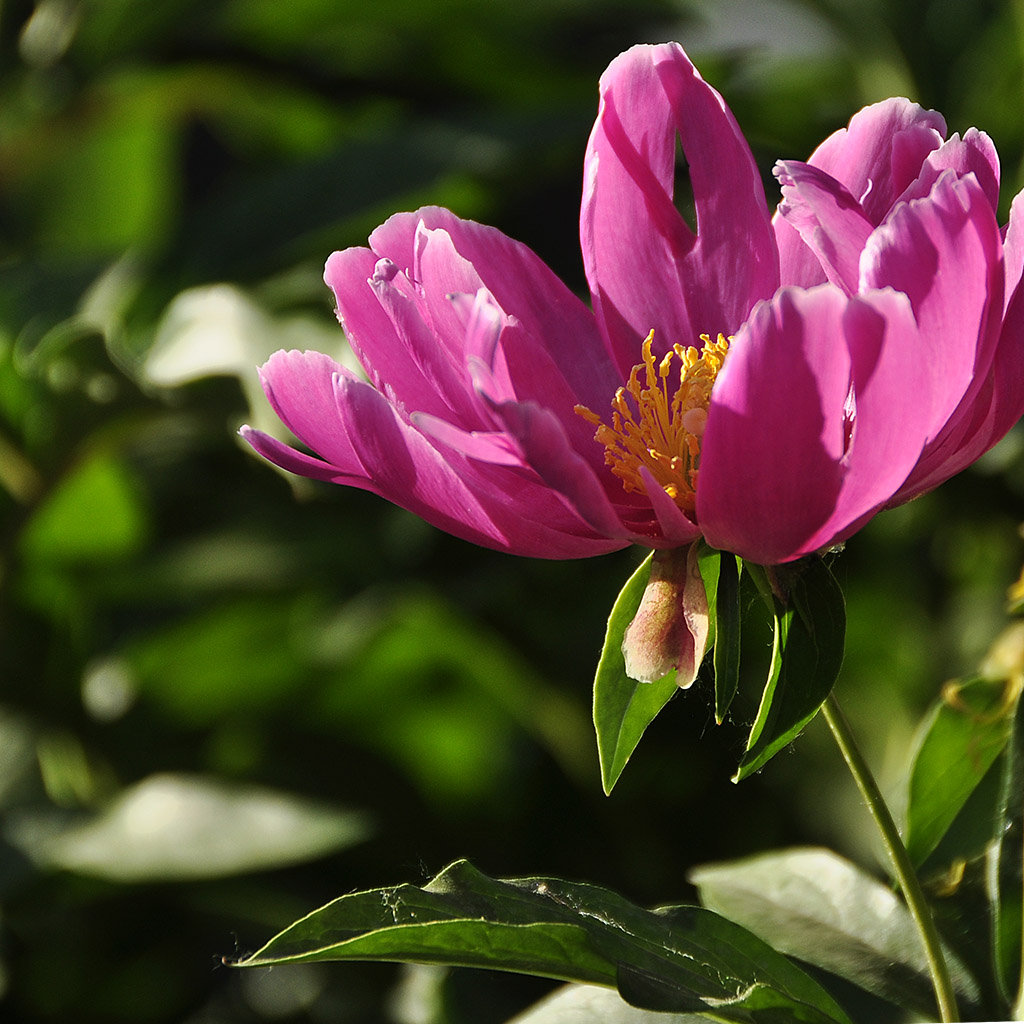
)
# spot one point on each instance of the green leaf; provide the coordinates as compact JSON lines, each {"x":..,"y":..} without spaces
{"x":972,"y":830}
{"x":678,"y":959}
{"x":173,"y":826}
{"x":813,"y":904}
{"x":1006,"y":867}
{"x":810,"y":631}
{"x":95,"y":514}
{"x":727,"y":634}
{"x":960,"y":738}
{"x":623,"y":707}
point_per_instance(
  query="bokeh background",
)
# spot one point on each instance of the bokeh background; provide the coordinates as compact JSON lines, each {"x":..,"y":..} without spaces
{"x":226,"y":696}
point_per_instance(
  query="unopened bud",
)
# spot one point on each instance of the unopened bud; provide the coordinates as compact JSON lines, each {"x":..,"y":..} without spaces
{"x":670,"y":629}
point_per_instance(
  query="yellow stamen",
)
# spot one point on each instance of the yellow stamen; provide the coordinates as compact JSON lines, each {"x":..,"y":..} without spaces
{"x":665,"y":432}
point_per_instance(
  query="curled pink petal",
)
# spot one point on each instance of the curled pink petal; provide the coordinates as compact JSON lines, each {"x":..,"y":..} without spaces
{"x":637,"y":248}
{"x":875,"y":158}
{"x":881,"y":152}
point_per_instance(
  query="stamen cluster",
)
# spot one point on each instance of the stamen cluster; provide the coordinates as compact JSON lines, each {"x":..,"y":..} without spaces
{"x":664,"y":432}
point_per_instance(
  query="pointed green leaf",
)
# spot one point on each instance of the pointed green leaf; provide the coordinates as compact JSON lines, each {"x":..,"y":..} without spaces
{"x":679,"y":959}
{"x":960,"y":738}
{"x":623,"y":707}
{"x":1006,"y":874}
{"x":810,"y":632}
{"x":813,"y":904}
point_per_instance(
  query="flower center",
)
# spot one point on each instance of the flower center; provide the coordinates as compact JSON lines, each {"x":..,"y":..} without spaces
{"x":657,"y":428}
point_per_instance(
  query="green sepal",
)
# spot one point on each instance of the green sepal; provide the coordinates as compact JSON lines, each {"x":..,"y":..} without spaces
{"x":720,"y":571}
{"x":624,"y":707}
{"x":809,"y":614}
{"x":680,"y":959}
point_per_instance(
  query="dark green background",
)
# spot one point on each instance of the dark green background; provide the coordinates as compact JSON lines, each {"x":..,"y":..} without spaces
{"x":170,"y":604}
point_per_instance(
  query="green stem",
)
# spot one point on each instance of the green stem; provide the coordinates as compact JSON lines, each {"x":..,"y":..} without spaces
{"x":1018,"y":1006}
{"x":901,"y":863}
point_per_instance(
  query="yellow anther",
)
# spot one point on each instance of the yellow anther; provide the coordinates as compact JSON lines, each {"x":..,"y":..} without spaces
{"x":657,"y":428}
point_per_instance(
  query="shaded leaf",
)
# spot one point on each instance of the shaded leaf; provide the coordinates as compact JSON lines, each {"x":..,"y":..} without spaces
{"x":815,"y":905}
{"x":94,"y":515}
{"x":960,"y":738}
{"x":972,"y":830}
{"x":623,"y":707}
{"x":810,"y":632}
{"x":724,"y":606}
{"x":679,"y":958}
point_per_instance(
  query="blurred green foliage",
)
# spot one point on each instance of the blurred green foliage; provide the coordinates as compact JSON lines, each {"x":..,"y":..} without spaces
{"x":173,"y":175}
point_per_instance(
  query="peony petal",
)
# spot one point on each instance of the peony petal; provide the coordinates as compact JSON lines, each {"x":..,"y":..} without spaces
{"x":1004,"y":406}
{"x":983,"y":419}
{"x":508,"y":365}
{"x":893,"y":387}
{"x":973,"y":154}
{"x":829,"y":220}
{"x":297,"y":462}
{"x":645,"y":267}
{"x":797,"y":264}
{"x":518,"y":281}
{"x":484,"y":446}
{"x":547,"y":450}
{"x":875,"y":158}
{"x":776,"y":432}
{"x":300,"y":389}
{"x":440,"y":271}
{"x":487,"y":505}
{"x":1013,"y":250}
{"x":388,"y":334}
{"x":671,"y":520}
{"x":944,"y":254}
{"x":881,"y":152}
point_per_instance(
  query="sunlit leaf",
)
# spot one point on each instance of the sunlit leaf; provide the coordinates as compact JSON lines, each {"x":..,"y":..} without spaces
{"x":679,"y":959}
{"x":591,"y":1004}
{"x":812,"y":904}
{"x":623,"y":707}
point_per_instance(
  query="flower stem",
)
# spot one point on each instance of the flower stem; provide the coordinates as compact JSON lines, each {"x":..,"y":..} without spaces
{"x":1018,"y":1006}
{"x":901,"y":863}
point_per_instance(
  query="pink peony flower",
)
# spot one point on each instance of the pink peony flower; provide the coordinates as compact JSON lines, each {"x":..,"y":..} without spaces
{"x":803,"y":373}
